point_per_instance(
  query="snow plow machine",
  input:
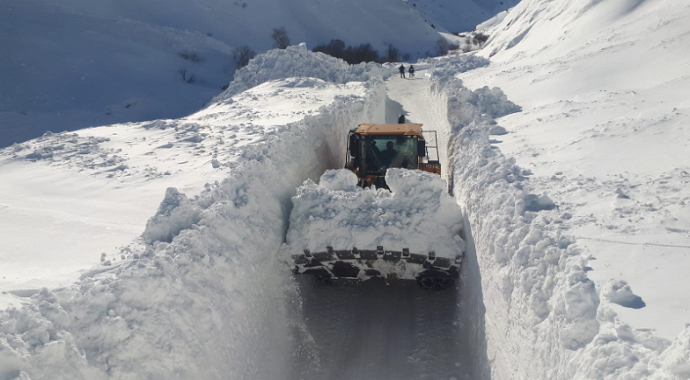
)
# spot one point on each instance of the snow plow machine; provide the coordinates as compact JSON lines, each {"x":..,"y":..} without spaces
{"x":387,"y":215}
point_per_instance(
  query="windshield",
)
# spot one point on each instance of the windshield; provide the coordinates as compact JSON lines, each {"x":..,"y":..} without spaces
{"x":383,"y":152}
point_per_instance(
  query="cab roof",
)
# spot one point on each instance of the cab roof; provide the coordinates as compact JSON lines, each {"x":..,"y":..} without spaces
{"x":389,"y":129}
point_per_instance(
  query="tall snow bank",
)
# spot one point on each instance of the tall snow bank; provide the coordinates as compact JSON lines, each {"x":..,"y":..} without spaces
{"x":533,"y":277}
{"x":201,"y":301}
{"x":465,"y":105}
{"x":417,"y":214}
{"x":298,"y":61}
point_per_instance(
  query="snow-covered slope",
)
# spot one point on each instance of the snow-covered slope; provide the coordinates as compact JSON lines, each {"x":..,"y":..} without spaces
{"x":604,"y":89}
{"x":75,"y":63}
{"x":458,"y":16}
{"x":72,"y":64}
{"x":605,"y":92}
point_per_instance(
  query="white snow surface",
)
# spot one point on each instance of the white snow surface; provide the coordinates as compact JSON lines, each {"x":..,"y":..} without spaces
{"x":417,"y":214}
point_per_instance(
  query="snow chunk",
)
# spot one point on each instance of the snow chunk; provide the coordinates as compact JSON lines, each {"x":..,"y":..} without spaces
{"x":175,"y":214}
{"x":619,"y":292}
{"x":339,"y":180}
{"x":498,"y":131}
{"x":418,"y":214}
{"x":535,"y":202}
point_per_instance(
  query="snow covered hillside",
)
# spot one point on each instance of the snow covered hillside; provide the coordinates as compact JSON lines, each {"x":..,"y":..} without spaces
{"x":604,"y":129}
{"x":455,"y":16}
{"x":604,"y":89}
{"x":72,"y":64}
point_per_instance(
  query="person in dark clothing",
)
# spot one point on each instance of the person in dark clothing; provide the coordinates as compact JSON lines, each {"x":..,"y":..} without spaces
{"x":401,"y":119}
{"x":388,"y":154}
{"x":375,"y":148}
{"x":402,"y":70}
{"x":411,"y":71}
{"x":373,"y":156}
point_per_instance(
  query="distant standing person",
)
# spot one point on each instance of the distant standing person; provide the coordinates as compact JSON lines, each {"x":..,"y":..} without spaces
{"x":411,"y":71}
{"x":402,"y":70}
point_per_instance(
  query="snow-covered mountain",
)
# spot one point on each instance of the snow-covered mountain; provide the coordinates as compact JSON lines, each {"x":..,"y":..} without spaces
{"x":458,"y":16}
{"x":71,"y":64}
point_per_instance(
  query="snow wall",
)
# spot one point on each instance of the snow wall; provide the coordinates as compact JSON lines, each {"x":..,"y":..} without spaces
{"x":208,"y":286}
{"x":533,"y":312}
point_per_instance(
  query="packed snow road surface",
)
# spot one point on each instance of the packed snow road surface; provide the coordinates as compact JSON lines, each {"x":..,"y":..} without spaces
{"x":379,"y":331}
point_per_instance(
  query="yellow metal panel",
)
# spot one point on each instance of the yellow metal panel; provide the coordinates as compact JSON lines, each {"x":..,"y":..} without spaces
{"x":390,"y":129}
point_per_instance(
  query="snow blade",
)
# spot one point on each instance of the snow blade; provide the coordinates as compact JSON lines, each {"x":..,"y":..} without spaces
{"x":336,"y":265}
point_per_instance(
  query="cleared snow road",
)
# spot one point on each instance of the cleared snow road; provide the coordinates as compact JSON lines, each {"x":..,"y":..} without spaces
{"x":379,"y":331}
{"x":396,"y":330}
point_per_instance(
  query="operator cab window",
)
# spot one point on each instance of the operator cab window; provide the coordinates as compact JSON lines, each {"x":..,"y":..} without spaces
{"x":383,"y":152}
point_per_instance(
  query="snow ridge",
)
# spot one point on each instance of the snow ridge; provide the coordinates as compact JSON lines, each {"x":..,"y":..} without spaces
{"x":298,"y":61}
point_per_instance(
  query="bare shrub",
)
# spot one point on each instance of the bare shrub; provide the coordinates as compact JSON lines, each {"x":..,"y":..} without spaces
{"x":392,"y":54}
{"x":442,"y":46}
{"x":280,"y":38}
{"x":363,"y":53}
{"x":241,"y":56}
{"x":183,"y":74}
{"x":191,"y":78}
{"x":191,"y":56}
{"x":335,"y":48}
{"x":480,"y":39}
{"x":351,"y":54}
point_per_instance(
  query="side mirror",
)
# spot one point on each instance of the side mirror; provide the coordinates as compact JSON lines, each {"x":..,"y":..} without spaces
{"x":421,"y":148}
